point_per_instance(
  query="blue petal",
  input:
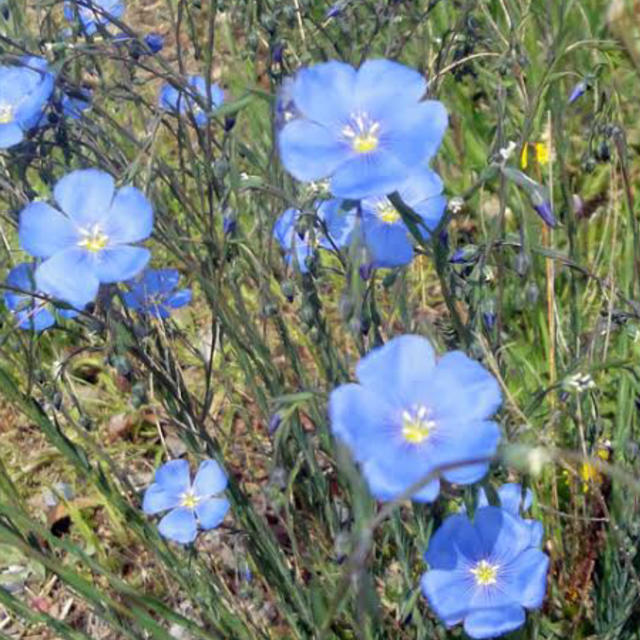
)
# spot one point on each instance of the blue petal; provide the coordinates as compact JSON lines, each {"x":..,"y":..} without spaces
{"x":310,"y":151}
{"x":22,"y":277}
{"x":447,"y":593}
{"x":462,"y":389}
{"x":526,"y":580}
{"x":324,"y":92}
{"x":537,"y":532}
{"x":29,"y":108}
{"x":358,"y":416}
{"x":119,"y":263}
{"x":404,"y":361}
{"x":130,"y":218}
{"x":179,"y":299}
{"x":211,"y":512}
{"x":503,"y":536}
{"x":490,"y":623}
{"x":385,"y":484}
{"x":467,"y":441}
{"x":510,"y":495}
{"x":414,"y":134}
{"x":170,"y":99}
{"x":85,"y":196}
{"x":372,"y":174}
{"x":174,"y":476}
{"x":338,"y":222}
{"x":210,"y":479}
{"x":10,"y":135}
{"x":157,"y":499}
{"x":58,"y":277}
{"x":388,"y":244}
{"x":455,"y":544}
{"x":179,"y":525}
{"x":44,"y":231}
{"x":35,"y":319}
{"x":384,"y":85}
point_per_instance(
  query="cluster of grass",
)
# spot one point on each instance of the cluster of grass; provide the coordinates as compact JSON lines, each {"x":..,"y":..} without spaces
{"x":98,"y":403}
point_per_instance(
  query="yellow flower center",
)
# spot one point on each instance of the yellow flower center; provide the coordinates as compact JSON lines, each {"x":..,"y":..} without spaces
{"x":189,"y":500}
{"x":93,"y":239}
{"x":388,"y":213}
{"x":416,"y":425}
{"x":6,"y":113}
{"x":362,"y":133}
{"x":485,"y":573}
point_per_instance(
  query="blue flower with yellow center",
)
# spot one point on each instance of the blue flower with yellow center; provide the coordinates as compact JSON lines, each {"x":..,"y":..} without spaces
{"x":366,"y":129}
{"x":484,"y":573}
{"x":385,"y":235}
{"x":155,"y":292}
{"x":200,"y":504}
{"x":411,"y":414}
{"x":25,"y":90}
{"x":90,"y":239}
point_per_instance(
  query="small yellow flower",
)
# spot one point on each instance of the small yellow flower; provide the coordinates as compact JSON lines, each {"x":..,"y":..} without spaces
{"x":540,"y":152}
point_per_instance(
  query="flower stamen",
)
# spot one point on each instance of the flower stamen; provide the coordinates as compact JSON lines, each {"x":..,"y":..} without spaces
{"x":189,"y":500}
{"x":6,"y":113}
{"x":416,"y":425}
{"x":362,"y":133}
{"x":93,"y":239}
{"x":485,"y":573}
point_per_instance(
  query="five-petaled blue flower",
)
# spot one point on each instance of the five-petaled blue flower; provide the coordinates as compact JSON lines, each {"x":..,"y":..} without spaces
{"x":385,"y":234}
{"x":180,"y":102}
{"x":154,"y":292}
{"x":333,"y":227}
{"x":484,"y":573}
{"x":411,"y":414}
{"x":90,"y":240}
{"x":191,"y":505}
{"x":31,"y":311}
{"x":366,"y":129}
{"x":92,"y":12}
{"x":24,"y":93}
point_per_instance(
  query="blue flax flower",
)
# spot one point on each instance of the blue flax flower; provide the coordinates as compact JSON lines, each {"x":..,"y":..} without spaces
{"x":90,"y":239}
{"x":385,"y":234}
{"x":75,"y":101}
{"x":190,"y":505}
{"x":92,"y":12}
{"x":24,"y":93}
{"x":484,"y":573}
{"x":411,"y":414}
{"x":333,"y":229}
{"x":154,"y":292}
{"x":31,"y":312}
{"x":365,"y":129}
{"x":180,"y":103}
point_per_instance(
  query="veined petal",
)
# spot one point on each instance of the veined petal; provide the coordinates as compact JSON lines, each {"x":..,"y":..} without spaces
{"x":130,"y":218}
{"x":67,"y":275}
{"x":210,"y":479}
{"x":504,"y":536}
{"x":211,"y":512}
{"x":310,"y":151}
{"x":85,"y":196}
{"x":10,"y":135}
{"x":447,"y":593}
{"x":324,"y":92}
{"x":363,"y":175}
{"x":385,"y":484}
{"x":389,"y":244}
{"x":157,"y":498}
{"x":179,"y":299}
{"x":44,"y":231}
{"x":404,"y":361}
{"x":174,"y":476}
{"x":454,"y":544}
{"x":490,"y":623}
{"x":383,"y":85}
{"x":526,"y":578}
{"x":179,"y":525}
{"x":119,"y":263}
